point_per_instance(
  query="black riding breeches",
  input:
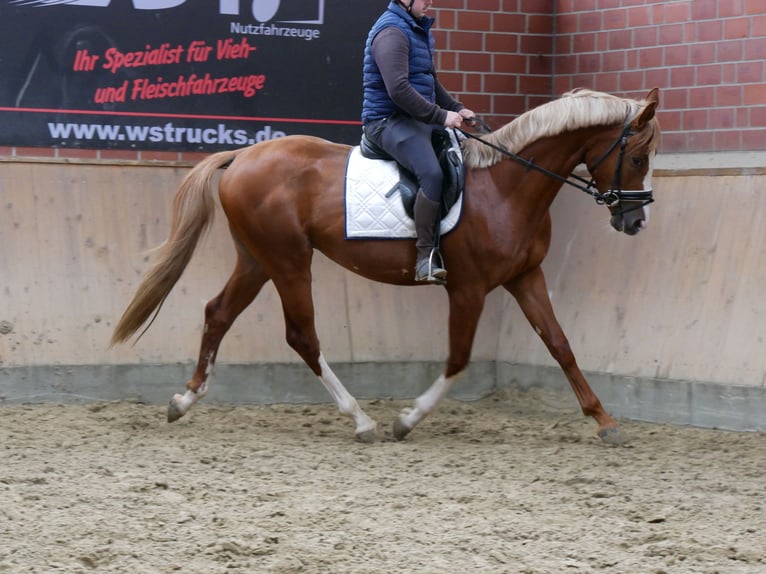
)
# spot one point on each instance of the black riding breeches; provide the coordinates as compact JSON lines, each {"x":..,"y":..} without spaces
{"x":408,"y":141}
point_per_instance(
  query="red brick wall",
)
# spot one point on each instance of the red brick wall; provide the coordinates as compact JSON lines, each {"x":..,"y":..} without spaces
{"x":496,"y":56}
{"x":74,"y":155}
{"x":708,"y":57}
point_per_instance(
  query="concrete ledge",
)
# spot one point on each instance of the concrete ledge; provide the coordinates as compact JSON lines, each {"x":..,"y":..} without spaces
{"x":262,"y":383}
{"x":700,"y":404}
{"x":678,"y":402}
{"x":666,"y":162}
{"x":711,"y":160}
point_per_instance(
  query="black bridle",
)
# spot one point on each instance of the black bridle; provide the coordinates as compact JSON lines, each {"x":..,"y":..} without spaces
{"x":613,"y":197}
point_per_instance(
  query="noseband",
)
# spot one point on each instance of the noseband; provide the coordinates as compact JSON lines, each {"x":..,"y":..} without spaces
{"x":613,"y":197}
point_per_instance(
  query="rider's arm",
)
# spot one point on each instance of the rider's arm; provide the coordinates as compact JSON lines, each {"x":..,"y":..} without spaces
{"x":444,"y":100}
{"x":390,"y":49}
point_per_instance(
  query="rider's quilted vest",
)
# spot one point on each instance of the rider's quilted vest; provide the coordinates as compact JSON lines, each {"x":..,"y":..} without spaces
{"x":377,"y":103}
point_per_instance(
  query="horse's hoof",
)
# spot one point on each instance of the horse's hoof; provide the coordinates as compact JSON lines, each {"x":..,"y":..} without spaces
{"x":174,"y":411}
{"x":613,"y":436}
{"x":400,"y":429}
{"x":367,"y":437}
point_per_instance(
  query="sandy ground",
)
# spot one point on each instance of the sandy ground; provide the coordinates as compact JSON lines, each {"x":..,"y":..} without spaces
{"x":515,"y":483}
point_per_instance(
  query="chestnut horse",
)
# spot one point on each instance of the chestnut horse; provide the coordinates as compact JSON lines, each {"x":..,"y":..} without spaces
{"x":284,"y":198}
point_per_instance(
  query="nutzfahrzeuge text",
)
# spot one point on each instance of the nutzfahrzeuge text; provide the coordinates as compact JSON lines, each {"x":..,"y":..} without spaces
{"x":263,"y":29}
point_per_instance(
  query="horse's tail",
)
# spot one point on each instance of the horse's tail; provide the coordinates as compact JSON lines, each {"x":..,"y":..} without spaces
{"x":193,"y":209}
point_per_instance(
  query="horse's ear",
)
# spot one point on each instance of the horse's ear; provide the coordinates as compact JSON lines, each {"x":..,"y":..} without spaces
{"x":652,"y":101}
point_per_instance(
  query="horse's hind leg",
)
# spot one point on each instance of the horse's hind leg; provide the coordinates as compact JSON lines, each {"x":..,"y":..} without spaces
{"x":244,"y":284}
{"x":532,"y":295}
{"x":294,"y":289}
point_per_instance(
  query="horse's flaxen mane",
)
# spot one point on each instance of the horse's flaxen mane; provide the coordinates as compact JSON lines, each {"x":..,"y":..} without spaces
{"x":576,"y":109}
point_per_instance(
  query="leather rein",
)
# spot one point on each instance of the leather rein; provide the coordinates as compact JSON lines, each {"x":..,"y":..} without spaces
{"x":612,"y":198}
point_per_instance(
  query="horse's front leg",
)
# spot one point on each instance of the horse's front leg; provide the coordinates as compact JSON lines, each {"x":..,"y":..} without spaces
{"x":294,"y":287}
{"x":244,"y":284}
{"x":531,"y":293}
{"x":465,"y":308}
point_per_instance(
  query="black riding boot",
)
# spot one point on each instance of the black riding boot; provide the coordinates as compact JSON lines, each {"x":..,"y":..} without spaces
{"x":428,"y":265}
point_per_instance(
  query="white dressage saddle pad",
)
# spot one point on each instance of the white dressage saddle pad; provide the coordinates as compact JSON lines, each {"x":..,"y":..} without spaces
{"x":372,"y":215}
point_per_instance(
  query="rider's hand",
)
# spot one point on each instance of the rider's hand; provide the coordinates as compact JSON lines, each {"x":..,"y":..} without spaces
{"x":453,"y":120}
{"x":468,"y":116}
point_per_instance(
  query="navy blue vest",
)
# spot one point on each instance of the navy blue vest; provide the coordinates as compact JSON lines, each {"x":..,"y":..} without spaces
{"x":377,"y":103}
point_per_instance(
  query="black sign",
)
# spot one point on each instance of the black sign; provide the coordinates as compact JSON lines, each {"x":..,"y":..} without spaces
{"x":181,"y":75}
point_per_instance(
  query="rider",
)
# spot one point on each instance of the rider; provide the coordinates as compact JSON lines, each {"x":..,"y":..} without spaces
{"x":403,"y":104}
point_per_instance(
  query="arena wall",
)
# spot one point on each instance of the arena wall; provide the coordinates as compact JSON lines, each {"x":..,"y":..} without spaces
{"x":667,"y":324}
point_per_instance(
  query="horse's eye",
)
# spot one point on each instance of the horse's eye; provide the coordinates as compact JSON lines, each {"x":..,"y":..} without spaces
{"x":637,"y":161}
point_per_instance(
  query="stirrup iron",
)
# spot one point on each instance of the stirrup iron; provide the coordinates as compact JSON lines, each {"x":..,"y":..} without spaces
{"x":435,"y":273}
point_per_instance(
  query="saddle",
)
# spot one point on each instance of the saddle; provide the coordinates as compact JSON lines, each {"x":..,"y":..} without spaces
{"x":447,"y":150}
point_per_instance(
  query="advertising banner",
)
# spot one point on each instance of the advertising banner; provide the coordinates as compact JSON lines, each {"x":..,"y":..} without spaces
{"x":180,"y":75}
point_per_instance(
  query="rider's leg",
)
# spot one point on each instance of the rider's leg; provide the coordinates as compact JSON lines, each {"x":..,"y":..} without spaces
{"x":428,"y":262}
{"x":408,"y":141}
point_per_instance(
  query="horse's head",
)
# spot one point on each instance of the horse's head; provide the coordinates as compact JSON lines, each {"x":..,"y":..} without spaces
{"x":620,"y":162}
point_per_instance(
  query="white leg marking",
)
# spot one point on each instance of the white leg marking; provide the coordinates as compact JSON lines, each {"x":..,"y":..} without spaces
{"x":347,"y":404}
{"x":426,"y":403}
{"x":184,"y":402}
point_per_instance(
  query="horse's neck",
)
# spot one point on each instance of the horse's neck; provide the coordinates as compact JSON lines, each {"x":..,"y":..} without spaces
{"x":529,"y":188}
{"x":560,"y":154}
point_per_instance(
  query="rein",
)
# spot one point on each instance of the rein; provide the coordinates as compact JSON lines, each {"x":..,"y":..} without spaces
{"x":611,"y":198}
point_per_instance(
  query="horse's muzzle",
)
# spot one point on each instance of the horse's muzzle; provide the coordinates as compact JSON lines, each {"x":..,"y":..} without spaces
{"x":629,"y":221}
{"x":629,"y":210}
